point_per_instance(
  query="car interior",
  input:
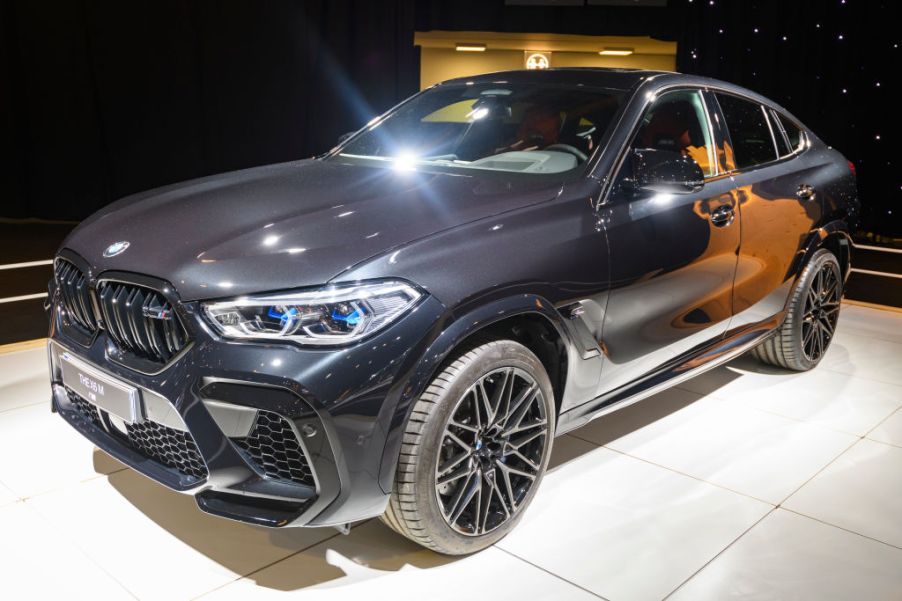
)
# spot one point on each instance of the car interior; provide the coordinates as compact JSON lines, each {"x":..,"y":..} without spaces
{"x":501,"y":129}
{"x":676,"y":126}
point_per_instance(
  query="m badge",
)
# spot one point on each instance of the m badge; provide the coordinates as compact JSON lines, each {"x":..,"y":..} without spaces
{"x":157,"y":312}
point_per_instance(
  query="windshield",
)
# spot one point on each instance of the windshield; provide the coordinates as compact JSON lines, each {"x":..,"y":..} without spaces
{"x":527,"y":128}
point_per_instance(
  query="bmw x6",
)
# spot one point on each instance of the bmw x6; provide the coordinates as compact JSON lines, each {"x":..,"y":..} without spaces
{"x":401,"y":326}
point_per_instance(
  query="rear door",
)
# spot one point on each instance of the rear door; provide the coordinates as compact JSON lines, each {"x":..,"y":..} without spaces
{"x":672,"y":256}
{"x":776,"y":196}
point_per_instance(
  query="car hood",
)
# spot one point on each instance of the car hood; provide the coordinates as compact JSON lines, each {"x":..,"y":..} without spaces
{"x":289,"y":225}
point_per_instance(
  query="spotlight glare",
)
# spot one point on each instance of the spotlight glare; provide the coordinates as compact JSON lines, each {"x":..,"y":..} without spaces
{"x":616,"y":51}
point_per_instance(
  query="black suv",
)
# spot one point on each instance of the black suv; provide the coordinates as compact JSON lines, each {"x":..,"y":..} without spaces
{"x":400,"y":327}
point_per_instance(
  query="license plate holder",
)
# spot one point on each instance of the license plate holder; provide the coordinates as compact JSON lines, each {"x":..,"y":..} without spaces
{"x":101,"y":389}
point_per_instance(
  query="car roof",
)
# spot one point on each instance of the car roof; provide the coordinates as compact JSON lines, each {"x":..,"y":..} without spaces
{"x":622,"y":79}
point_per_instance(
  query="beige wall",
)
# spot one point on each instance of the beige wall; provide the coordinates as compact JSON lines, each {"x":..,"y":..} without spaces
{"x":439,"y":64}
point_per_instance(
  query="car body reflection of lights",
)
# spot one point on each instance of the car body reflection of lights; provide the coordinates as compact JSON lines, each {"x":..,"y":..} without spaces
{"x":405,"y":162}
{"x":662,"y":199}
{"x":270,"y":240}
{"x":479,"y":113}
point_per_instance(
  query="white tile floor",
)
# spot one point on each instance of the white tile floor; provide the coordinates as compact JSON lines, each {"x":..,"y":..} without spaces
{"x":746,"y":482}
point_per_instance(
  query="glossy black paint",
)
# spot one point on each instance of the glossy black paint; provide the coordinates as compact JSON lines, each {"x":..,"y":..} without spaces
{"x":633,"y":293}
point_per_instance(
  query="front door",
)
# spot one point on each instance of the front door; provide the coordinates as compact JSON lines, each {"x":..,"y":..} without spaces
{"x":673,"y":255}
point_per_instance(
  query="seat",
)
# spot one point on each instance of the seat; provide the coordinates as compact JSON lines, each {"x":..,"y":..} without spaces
{"x":675,"y":127}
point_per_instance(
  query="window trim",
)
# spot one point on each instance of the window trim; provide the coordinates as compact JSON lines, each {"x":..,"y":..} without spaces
{"x":770,"y":128}
{"x":775,"y":119}
{"x":803,"y":136}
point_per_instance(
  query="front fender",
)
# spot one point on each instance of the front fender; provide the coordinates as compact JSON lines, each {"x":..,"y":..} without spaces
{"x":454,"y":330}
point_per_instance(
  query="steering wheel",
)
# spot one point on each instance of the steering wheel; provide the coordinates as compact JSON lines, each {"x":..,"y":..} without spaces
{"x":579,"y":154}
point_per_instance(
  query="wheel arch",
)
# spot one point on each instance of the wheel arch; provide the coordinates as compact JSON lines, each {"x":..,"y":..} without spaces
{"x":526,"y":318}
{"x":835,"y":237}
{"x":838,"y":241}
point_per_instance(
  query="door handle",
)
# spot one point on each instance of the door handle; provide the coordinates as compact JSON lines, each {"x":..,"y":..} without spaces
{"x":722,"y":216}
{"x":805,"y":192}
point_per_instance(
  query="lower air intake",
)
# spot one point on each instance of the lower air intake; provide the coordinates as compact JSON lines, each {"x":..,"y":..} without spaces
{"x":275,"y":448}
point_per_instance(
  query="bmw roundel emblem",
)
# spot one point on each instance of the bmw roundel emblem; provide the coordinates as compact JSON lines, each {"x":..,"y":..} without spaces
{"x":115,"y":248}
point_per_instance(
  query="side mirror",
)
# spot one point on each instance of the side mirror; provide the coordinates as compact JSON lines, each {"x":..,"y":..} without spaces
{"x":666,"y":171}
{"x":343,"y":137}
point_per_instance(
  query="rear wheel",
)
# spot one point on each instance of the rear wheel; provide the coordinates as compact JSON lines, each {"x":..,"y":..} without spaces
{"x":474,"y":450}
{"x":811,"y":319}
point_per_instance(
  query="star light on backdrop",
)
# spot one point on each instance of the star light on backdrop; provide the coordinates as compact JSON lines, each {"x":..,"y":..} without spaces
{"x":832,"y":63}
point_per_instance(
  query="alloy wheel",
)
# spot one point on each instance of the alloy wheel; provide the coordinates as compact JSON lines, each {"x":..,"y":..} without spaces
{"x":491,"y":451}
{"x":821,"y":312}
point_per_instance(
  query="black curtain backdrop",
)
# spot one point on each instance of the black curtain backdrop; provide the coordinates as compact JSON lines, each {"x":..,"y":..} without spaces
{"x":834,"y":63}
{"x":102,"y":98}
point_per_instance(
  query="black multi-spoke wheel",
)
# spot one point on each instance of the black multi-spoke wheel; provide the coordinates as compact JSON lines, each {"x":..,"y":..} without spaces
{"x":821,"y":312}
{"x":491,"y":451}
{"x":812,"y":314}
{"x":475,"y":449}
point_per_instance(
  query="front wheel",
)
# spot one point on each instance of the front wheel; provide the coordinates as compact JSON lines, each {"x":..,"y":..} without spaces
{"x":800,"y":343}
{"x":474,"y":451}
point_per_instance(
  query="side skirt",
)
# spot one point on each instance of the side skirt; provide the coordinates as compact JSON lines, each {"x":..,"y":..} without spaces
{"x":685,"y":367}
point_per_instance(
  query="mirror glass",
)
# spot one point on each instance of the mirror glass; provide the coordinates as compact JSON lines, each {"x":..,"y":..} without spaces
{"x":666,"y":171}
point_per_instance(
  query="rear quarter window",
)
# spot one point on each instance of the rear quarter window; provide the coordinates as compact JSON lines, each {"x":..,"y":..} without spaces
{"x":777,"y":128}
{"x":793,"y":132}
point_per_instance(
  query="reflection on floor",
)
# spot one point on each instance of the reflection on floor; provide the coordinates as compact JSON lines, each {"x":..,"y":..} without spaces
{"x":746,"y":481}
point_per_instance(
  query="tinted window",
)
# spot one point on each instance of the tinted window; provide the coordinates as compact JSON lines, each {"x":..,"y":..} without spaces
{"x":519,"y":127}
{"x":752,"y":143}
{"x":676,"y":122}
{"x":793,"y":132}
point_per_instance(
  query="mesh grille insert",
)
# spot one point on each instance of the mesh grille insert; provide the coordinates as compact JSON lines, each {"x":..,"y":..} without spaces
{"x":275,"y":448}
{"x":173,"y":448}
{"x":86,"y":409}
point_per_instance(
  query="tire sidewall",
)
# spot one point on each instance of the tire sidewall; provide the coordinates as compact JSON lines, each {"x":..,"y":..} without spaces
{"x":489,"y":357}
{"x":821,"y":258}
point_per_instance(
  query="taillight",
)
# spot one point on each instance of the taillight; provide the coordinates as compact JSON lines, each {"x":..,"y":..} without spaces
{"x":852,"y":168}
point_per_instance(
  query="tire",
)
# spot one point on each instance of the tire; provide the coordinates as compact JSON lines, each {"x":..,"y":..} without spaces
{"x":422,"y":509}
{"x":803,"y":338}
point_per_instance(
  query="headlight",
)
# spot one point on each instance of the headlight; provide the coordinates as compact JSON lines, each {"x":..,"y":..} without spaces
{"x":333,"y":315}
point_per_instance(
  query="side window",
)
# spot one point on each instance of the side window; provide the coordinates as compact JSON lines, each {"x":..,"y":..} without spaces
{"x":677,"y":122}
{"x":793,"y":132}
{"x":752,"y":143}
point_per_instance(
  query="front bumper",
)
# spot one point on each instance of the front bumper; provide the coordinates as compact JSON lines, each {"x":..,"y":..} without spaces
{"x":338,"y":404}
